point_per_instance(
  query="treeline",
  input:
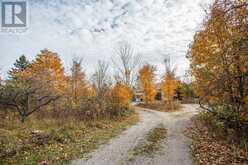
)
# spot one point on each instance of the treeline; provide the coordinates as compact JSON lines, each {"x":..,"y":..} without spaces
{"x":168,"y":89}
{"x":219,"y":63}
{"x":43,"y":86}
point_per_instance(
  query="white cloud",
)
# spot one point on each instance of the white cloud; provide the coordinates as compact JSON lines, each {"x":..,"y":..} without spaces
{"x":91,"y":29}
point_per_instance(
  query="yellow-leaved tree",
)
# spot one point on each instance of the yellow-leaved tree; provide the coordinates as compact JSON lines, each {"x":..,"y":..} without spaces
{"x":219,"y":60}
{"x":147,"y":82}
{"x":34,"y":85}
{"x":77,"y":82}
{"x":168,"y":86}
{"x":121,"y":94}
{"x":47,"y":69}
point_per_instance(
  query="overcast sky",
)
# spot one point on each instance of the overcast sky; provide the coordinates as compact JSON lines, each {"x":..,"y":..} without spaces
{"x":92,"y":28}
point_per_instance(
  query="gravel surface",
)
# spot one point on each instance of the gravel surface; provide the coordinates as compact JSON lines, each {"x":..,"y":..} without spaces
{"x":175,"y":148}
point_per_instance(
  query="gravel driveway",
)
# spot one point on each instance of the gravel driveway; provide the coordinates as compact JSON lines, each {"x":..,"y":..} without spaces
{"x":175,"y":149}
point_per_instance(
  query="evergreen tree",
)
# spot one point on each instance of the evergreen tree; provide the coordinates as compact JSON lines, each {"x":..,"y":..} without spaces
{"x":20,"y":65}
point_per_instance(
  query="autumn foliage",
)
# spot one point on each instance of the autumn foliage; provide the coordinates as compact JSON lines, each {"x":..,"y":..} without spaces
{"x":168,"y":85}
{"x":121,"y":94}
{"x":219,"y":63}
{"x":33,"y":85}
{"x":78,"y":86}
{"x":47,"y":67}
{"x":147,"y":82}
{"x":43,"y":86}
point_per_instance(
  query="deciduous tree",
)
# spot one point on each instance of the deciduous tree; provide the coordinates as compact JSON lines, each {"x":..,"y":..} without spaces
{"x":147,"y":82}
{"x":47,"y":68}
{"x":169,"y":83}
{"x":100,"y":79}
{"x":126,"y":63}
{"x":121,"y":94}
{"x":78,"y":84}
{"x":25,"y":96}
{"x":219,"y":58}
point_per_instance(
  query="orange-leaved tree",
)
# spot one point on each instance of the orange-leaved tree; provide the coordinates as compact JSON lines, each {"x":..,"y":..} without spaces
{"x":34,"y":86}
{"x":168,"y":86}
{"x":77,"y":82}
{"x":121,"y":94}
{"x":147,"y":82}
{"x":48,"y":70}
{"x":219,"y":61}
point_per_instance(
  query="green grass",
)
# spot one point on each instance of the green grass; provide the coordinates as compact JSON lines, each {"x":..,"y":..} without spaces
{"x":56,"y":142}
{"x":152,"y":143}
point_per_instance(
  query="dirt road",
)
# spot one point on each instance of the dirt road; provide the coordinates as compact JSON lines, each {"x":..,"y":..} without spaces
{"x":175,"y":150}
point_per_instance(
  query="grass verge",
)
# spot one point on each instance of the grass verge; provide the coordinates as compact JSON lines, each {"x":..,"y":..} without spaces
{"x":50,"y":141}
{"x":151,"y":144}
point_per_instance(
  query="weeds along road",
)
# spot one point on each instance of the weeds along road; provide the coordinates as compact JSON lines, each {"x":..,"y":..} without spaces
{"x":174,"y":149}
